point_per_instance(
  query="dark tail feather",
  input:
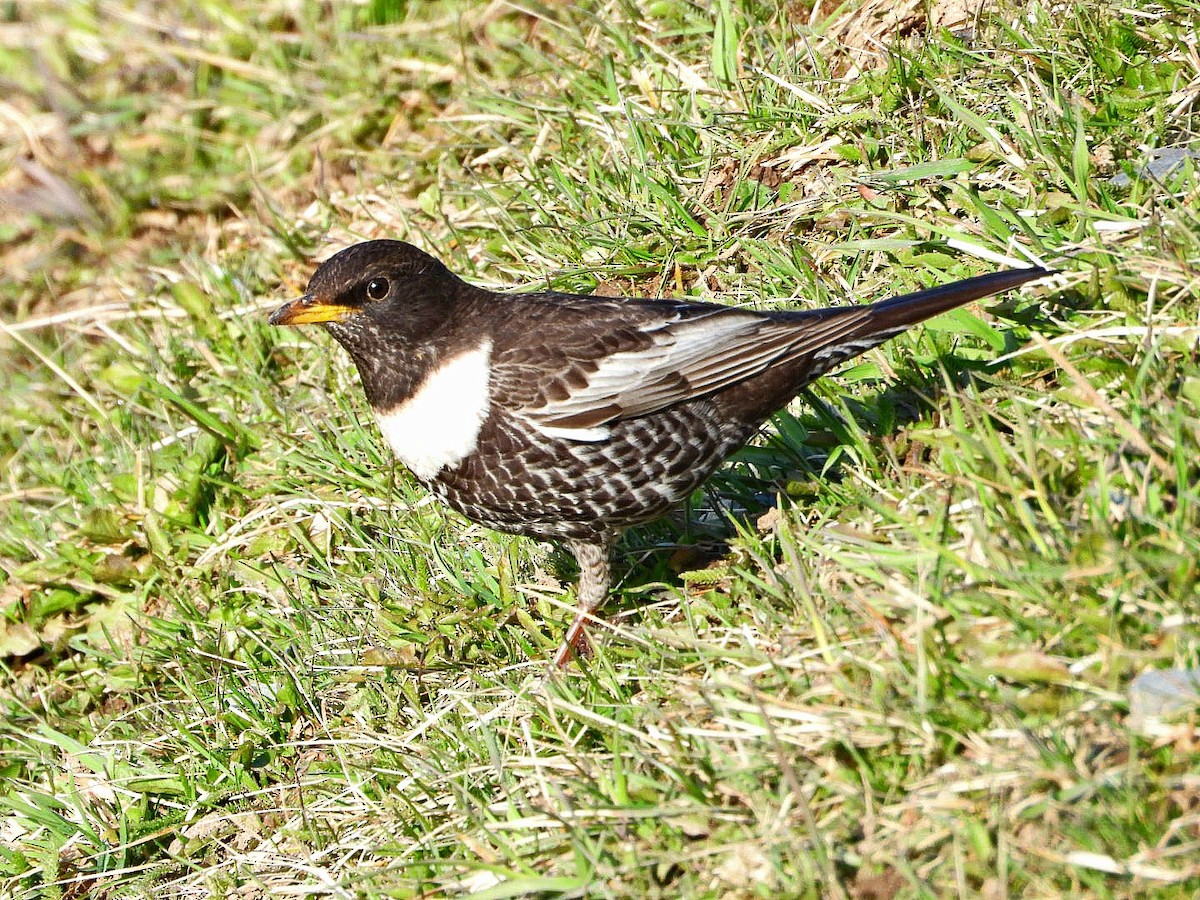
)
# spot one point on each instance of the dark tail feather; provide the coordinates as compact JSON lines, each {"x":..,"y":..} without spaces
{"x":827,"y":337}
{"x":909,"y":309}
{"x":856,"y":333}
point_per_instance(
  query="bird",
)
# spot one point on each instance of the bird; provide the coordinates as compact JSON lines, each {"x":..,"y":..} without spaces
{"x":568,"y":417}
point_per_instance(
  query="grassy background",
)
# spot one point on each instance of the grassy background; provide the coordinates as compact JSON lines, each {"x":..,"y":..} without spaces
{"x":243,"y":654}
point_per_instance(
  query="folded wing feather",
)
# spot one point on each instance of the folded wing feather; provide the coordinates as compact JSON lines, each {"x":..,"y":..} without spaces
{"x":687,"y":359}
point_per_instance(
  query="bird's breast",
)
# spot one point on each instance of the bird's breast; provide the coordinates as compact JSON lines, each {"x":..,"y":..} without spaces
{"x":438,"y":425}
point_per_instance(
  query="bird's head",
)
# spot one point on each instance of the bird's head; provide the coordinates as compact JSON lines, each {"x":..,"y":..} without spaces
{"x":371,"y":287}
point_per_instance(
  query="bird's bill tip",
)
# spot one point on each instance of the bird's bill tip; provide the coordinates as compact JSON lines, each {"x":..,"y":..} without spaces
{"x":307,"y":310}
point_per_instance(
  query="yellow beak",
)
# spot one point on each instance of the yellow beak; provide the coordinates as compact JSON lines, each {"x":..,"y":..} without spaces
{"x":308,"y":309}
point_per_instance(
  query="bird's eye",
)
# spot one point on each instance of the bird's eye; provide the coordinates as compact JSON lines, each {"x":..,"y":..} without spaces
{"x":377,"y":288}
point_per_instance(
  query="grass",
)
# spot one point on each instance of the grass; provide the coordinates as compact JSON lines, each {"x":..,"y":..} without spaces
{"x":885,"y":654}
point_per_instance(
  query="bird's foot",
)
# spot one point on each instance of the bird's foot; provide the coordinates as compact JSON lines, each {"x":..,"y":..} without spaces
{"x":575,"y":642}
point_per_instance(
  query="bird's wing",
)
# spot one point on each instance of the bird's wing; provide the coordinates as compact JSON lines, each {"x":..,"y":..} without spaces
{"x":620,"y":368}
{"x":573,"y":365}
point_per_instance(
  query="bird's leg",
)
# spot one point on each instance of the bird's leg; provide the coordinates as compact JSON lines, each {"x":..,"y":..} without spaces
{"x":595,"y":576}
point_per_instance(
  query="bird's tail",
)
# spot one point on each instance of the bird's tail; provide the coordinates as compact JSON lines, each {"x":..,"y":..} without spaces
{"x":909,"y":309}
{"x":849,"y":331}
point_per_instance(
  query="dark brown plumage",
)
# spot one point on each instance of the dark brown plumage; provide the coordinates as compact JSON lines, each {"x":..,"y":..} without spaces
{"x":571,"y":417}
